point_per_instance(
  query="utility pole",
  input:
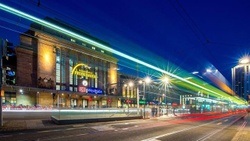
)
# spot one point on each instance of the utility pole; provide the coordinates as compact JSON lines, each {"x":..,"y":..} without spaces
{"x":144,"y":98}
{"x":3,"y":50}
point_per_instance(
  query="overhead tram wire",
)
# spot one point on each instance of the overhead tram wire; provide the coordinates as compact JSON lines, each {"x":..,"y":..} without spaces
{"x":195,"y":28}
{"x":41,"y":5}
{"x":187,"y":23}
{"x":46,"y":8}
{"x":192,"y":21}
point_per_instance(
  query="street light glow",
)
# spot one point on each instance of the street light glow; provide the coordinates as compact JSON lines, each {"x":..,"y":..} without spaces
{"x":244,"y":60}
{"x":208,"y":70}
{"x":165,"y":79}
{"x":130,"y":84}
{"x":147,"y":79}
{"x":140,"y":81}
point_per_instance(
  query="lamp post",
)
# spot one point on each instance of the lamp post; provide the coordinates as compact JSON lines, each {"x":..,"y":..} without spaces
{"x":165,"y":80}
{"x":130,"y":84}
{"x":147,"y":80}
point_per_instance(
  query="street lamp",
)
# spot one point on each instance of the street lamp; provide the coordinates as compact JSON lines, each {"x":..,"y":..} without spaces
{"x":147,"y":80}
{"x":165,"y":81}
{"x":130,"y":85}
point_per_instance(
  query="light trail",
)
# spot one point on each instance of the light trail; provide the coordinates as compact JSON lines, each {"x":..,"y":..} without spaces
{"x":104,"y":47}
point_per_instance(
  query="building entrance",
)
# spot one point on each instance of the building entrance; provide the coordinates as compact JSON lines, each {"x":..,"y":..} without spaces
{"x":84,"y":103}
{"x":73,"y":103}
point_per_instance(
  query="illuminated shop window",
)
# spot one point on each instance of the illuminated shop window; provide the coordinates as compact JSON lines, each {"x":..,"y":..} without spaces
{"x":70,"y":88}
{"x":57,"y":87}
{"x":124,"y":91}
{"x":13,"y":100}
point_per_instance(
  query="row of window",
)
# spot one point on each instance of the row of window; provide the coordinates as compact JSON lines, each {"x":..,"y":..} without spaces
{"x":65,"y":63}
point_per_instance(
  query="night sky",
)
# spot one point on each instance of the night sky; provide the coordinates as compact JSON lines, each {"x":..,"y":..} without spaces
{"x":192,"y":34}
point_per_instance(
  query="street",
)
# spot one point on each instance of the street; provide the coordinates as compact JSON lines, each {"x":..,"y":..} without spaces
{"x":221,"y":127}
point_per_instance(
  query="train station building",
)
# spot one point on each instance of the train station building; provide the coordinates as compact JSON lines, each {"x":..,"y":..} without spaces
{"x":54,"y":69}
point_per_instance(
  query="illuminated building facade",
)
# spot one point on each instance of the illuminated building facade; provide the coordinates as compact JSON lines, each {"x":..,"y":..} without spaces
{"x":241,"y":78}
{"x":54,"y":69}
{"x":129,"y":90}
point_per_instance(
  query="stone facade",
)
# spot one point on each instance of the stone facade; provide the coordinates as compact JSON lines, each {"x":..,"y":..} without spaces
{"x":26,"y":68}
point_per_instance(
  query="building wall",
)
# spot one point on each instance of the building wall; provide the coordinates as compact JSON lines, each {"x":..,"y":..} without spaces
{"x":46,"y":59}
{"x":26,"y":70}
{"x":113,"y":73}
{"x":26,"y":99}
{"x":45,"y":99}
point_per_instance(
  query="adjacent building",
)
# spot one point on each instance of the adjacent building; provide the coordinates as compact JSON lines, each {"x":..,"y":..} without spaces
{"x":241,"y":78}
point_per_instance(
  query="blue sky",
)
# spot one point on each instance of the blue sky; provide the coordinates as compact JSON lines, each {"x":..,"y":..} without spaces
{"x":193,"y":34}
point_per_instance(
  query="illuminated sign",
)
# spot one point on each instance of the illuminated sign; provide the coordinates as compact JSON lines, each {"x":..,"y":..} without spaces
{"x":89,"y":90}
{"x":94,"y":91}
{"x":85,"y":83}
{"x":77,"y":70}
{"x":82,"y":84}
{"x":82,"y":87}
{"x":2,"y":93}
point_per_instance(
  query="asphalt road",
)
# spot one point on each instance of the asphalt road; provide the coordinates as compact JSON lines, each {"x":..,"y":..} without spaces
{"x":189,"y":128}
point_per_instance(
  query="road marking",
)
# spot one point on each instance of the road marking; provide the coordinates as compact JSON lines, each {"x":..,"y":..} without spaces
{"x":5,"y":136}
{"x":102,"y":128}
{"x":56,"y":130}
{"x":216,"y":131}
{"x":242,"y":126}
{"x":219,"y":123}
{"x":240,"y":132}
{"x":155,"y":138}
{"x":175,"y":132}
{"x":44,"y":139}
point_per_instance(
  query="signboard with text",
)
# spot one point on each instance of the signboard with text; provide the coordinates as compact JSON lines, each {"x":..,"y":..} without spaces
{"x":83,"y":88}
{"x":94,"y":90}
{"x":83,"y":71}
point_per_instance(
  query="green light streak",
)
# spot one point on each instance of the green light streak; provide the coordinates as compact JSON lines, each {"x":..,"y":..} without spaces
{"x":77,"y":36}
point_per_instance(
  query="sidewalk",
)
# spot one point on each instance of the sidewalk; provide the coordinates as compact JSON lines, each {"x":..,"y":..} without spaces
{"x":21,"y":125}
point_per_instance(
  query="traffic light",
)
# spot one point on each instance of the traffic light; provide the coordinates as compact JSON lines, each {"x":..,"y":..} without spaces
{"x":10,"y":77}
{"x":3,"y":47}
